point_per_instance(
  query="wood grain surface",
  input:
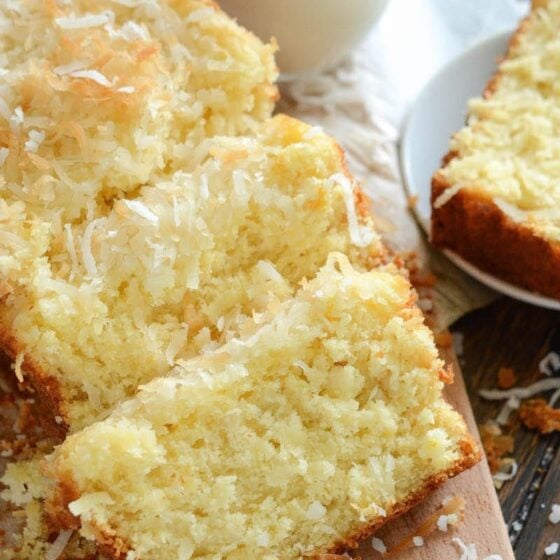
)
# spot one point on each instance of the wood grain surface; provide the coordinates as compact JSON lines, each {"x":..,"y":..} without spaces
{"x":512,"y":334}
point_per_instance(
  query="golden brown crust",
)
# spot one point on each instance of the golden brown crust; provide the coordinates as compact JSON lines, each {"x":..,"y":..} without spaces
{"x":110,"y":544}
{"x":475,"y":228}
{"x":49,"y":401}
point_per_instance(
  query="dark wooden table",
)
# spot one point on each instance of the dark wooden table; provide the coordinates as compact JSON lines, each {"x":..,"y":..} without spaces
{"x":512,"y":334}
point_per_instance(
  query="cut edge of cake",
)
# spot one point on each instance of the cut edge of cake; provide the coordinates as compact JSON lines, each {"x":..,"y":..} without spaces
{"x":477,"y":229}
{"x":37,"y":376}
{"x":116,"y":546}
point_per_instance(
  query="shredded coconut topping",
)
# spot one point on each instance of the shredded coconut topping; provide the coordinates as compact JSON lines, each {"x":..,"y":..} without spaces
{"x":551,"y":549}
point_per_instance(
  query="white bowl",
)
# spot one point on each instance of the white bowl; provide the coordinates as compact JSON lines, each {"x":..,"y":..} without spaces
{"x":438,"y":112}
{"x":311,"y":34}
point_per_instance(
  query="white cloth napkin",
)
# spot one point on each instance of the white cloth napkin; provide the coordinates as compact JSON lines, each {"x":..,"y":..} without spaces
{"x":364,"y":100}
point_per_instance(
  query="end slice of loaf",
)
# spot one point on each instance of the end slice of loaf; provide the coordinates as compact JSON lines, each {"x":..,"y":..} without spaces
{"x":312,"y":430}
{"x":496,"y":200}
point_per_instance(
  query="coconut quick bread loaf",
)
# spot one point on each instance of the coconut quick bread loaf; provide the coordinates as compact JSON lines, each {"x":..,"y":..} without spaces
{"x":102,"y":304}
{"x":321,"y":422}
{"x":496,"y":201}
{"x":101,"y":103}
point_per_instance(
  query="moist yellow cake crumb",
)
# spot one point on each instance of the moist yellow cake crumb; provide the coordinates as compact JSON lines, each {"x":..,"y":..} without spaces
{"x":104,"y":304}
{"x":316,"y":426}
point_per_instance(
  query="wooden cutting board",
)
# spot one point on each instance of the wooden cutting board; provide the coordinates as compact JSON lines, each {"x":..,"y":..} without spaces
{"x":483,"y":524}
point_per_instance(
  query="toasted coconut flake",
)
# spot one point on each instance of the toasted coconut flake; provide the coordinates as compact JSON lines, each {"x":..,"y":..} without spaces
{"x":17,"y":366}
{"x":506,"y":378}
{"x":537,"y":414}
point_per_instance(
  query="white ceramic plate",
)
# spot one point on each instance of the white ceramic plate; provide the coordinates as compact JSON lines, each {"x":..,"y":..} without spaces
{"x":437,"y":113}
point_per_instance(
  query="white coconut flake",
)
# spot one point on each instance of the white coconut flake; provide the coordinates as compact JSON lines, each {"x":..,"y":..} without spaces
{"x":131,"y":31}
{"x":555,"y":396}
{"x":360,"y":236}
{"x":4,"y":153}
{"x":204,"y":189}
{"x":84,"y":22}
{"x":73,"y":66}
{"x":550,"y":364}
{"x":551,"y":549}
{"x":504,"y":414}
{"x":447,"y":195}
{"x":89,"y":261}
{"x":126,"y":89}
{"x":521,"y":392}
{"x":315,"y":511}
{"x":442,"y":523}
{"x":554,"y":516}
{"x":58,"y":546}
{"x":36,"y":138}
{"x":514,"y":213}
{"x":16,"y":119}
{"x":92,"y":75}
{"x":418,"y":541}
{"x":378,"y":545}
{"x":468,"y":552}
{"x":142,"y":210}
{"x":517,"y":526}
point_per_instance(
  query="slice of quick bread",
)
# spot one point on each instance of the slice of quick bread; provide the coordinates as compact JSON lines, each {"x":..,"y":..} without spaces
{"x":96,"y":306}
{"x":321,"y":422}
{"x":496,"y":200}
